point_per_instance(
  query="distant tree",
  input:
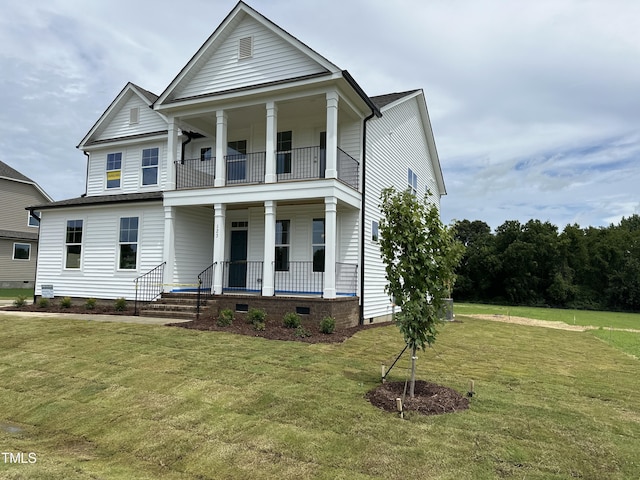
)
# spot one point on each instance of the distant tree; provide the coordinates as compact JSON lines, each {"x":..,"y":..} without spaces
{"x":421,"y":255}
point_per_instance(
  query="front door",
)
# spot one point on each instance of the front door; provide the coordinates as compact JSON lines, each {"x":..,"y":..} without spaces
{"x":238,"y":257}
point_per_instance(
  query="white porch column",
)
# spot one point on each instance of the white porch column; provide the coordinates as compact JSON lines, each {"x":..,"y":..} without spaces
{"x":173,"y":144}
{"x":330,"y":237}
{"x":268,"y":285}
{"x":169,"y":247}
{"x":219,"y":227}
{"x":221,"y":148}
{"x":332,"y":136}
{"x":271,"y":144}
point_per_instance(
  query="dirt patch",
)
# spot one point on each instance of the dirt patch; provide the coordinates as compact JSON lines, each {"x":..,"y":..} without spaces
{"x":533,"y":323}
{"x":309,"y":333}
{"x":430,"y":398}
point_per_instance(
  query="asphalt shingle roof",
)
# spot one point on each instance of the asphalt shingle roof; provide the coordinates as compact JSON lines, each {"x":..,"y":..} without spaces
{"x":8,"y":172}
{"x":382,"y":100}
{"x":101,"y":200}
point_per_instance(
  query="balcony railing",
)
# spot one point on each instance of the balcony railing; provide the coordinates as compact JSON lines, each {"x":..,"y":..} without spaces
{"x":195,"y":173}
{"x":295,"y":164}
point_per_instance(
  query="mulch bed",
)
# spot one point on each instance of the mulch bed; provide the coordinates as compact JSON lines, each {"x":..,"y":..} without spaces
{"x":430,"y":399}
{"x":75,"y":309}
{"x":276,"y":331}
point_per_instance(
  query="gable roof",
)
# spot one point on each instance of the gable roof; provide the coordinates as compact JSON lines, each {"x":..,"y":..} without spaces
{"x":10,"y":173}
{"x":130,"y":88}
{"x":385,"y":102}
{"x":240,"y":12}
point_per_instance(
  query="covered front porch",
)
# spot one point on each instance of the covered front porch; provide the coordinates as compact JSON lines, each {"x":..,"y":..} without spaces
{"x":266,"y":249}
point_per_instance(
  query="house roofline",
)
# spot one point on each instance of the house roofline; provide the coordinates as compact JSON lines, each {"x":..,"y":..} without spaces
{"x":100,"y":200}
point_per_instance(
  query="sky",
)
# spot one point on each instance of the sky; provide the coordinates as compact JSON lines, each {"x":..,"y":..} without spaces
{"x":535,"y":106}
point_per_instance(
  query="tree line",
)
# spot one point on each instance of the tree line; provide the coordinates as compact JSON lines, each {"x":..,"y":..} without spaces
{"x":536,"y":264}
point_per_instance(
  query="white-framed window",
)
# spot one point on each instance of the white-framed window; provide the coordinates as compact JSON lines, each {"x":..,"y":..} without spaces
{"x":283,"y":238}
{"x":317,"y":244}
{"x":21,"y":251}
{"x":150,"y":166}
{"x":206,"y":154}
{"x":73,"y":244}
{"x":412,"y":181}
{"x":374,"y":231}
{"x":283,"y":152}
{"x":32,"y":222}
{"x":128,"y":243}
{"x":114,"y":169}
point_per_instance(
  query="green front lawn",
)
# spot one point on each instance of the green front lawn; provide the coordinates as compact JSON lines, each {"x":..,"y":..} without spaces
{"x":13,"y":293}
{"x":571,"y":317}
{"x":123,"y":401}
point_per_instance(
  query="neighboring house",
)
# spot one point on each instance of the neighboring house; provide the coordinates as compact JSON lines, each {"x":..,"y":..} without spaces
{"x":18,"y":228}
{"x":257,"y":172}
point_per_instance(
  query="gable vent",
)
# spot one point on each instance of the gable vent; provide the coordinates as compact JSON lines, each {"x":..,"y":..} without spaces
{"x":245,"y":48}
{"x":134,"y":116}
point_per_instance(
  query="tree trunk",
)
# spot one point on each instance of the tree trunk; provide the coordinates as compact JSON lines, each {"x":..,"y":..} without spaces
{"x":412,"y":388}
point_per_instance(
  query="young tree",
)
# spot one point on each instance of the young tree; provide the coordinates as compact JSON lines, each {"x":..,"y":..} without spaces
{"x":420,"y":254}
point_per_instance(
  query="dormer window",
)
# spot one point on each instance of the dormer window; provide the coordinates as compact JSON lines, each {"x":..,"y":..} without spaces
{"x":134,"y":115}
{"x":245,"y":48}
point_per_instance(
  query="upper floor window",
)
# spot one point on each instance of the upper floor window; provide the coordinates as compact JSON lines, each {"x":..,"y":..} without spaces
{"x":318,"y":244}
{"x":206,"y":153}
{"x":114,"y":168}
{"x":33,"y":222}
{"x":128,"y":243}
{"x":73,"y":244}
{"x":282,"y":245}
{"x":237,"y":160}
{"x":21,"y":251}
{"x":412,"y":180}
{"x":283,"y":149}
{"x":150,"y":166}
{"x":374,"y":231}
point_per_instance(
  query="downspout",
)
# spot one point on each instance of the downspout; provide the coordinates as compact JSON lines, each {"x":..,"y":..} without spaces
{"x":190,"y":136}
{"x":35,"y":277}
{"x":362,"y":211}
{"x":86,"y":180}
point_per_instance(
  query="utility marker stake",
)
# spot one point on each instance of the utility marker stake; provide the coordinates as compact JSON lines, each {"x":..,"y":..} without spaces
{"x":383,"y":368}
{"x":399,"y":406}
{"x":471,"y":391}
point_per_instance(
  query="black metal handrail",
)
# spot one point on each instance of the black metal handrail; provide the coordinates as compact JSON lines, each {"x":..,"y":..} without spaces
{"x":245,"y":167}
{"x":348,"y":169}
{"x":298,"y":277}
{"x":205,"y":283}
{"x":149,"y":286}
{"x":195,"y":173}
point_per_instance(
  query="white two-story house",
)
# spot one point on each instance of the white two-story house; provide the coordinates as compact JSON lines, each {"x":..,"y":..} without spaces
{"x":255,"y":176}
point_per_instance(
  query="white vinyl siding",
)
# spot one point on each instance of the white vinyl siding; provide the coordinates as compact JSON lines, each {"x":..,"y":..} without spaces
{"x":99,"y":276}
{"x":120,"y":125}
{"x":131,"y":170}
{"x":395,"y":142}
{"x":273,"y":59}
{"x":193,"y":228}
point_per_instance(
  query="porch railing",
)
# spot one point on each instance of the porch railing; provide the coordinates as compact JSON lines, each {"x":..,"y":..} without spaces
{"x":245,"y":276}
{"x":346,"y":279}
{"x":205,"y":283}
{"x":295,"y":164}
{"x":298,"y":277}
{"x":195,"y":173}
{"x":149,"y":286}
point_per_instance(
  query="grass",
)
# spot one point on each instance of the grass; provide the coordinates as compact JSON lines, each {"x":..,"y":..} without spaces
{"x":121,"y":401}
{"x":571,"y":317}
{"x":13,"y":293}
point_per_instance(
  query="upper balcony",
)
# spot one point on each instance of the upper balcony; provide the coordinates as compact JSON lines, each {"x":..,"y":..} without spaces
{"x":305,"y":163}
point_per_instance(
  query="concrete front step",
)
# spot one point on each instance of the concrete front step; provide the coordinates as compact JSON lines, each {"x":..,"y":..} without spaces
{"x":175,"y":305}
{"x":168,"y":314}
